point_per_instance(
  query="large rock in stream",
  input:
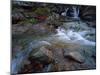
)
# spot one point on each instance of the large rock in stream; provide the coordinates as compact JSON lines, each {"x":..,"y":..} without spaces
{"x":43,"y":54}
{"x":75,"y":56}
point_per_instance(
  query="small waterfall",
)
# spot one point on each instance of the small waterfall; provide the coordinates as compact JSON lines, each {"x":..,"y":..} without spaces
{"x":72,"y":12}
{"x":75,"y":12}
{"x":65,"y":12}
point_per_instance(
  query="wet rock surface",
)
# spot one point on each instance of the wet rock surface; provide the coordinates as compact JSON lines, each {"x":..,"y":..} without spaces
{"x":51,"y":37}
{"x":75,"y":56}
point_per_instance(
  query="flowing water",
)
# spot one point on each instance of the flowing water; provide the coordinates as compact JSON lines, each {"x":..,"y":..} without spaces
{"x":73,"y":12}
{"x":76,"y":37}
{"x":66,"y":35}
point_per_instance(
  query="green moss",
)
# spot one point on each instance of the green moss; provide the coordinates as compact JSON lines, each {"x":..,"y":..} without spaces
{"x":29,"y":21}
{"x":42,"y":11}
{"x":33,"y":21}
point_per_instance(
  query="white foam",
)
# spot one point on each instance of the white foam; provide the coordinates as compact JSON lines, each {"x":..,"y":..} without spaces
{"x":73,"y":36}
{"x":61,"y":34}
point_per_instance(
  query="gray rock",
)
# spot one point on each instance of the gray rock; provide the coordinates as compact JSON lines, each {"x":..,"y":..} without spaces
{"x":75,"y":56}
{"x":43,"y":55}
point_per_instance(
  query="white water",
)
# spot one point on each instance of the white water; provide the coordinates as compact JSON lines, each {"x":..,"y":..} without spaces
{"x":65,"y":13}
{"x":61,"y":34}
{"x":76,"y":37}
{"x":75,"y":12}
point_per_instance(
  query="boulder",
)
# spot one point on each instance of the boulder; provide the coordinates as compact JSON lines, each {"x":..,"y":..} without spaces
{"x":43,"y":55}
{"x":75,"y":56}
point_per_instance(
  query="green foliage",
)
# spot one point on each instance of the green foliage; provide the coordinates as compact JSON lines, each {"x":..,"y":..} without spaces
{"x":28,"y":21}
{"x":42,"y":11}
{"x":33,"y":21}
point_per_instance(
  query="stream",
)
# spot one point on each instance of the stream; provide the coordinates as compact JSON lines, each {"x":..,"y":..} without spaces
{"x":69,"y":35}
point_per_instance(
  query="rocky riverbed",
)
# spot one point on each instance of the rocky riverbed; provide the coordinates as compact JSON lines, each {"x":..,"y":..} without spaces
{"x":50,"y":37}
